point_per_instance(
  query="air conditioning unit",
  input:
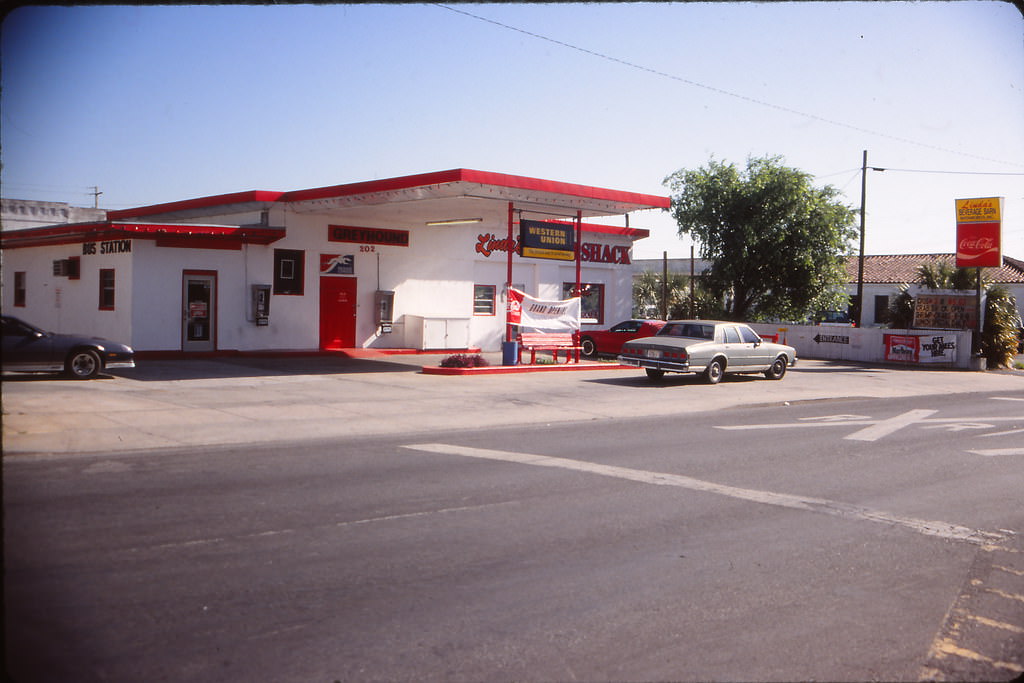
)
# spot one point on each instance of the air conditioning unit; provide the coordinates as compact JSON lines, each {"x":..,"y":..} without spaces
{"x":68,"y":267}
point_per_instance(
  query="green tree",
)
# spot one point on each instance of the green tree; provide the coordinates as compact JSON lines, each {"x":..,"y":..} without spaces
{"x":777,"y":244}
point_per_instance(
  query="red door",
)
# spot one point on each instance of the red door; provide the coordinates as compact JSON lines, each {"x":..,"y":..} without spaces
{"x":337,"y":312}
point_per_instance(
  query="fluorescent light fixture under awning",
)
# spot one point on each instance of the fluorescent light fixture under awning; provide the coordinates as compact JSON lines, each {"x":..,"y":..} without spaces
{"x":456,"y":221}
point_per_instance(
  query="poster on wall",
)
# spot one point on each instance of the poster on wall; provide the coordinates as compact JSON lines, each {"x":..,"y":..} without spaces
{"x":901,"y":348}
{"x":912,"y":348}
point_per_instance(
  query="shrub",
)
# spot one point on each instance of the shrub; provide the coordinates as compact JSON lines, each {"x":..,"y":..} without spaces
{"x":999,"y":332}
{"x":464,"y":360}
{"x":901,"y":309}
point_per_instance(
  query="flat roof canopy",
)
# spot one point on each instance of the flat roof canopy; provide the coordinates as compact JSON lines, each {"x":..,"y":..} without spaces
{"x":412,"y":201}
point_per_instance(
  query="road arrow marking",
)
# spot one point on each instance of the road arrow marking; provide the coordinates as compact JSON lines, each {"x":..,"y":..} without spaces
{"x":999,"y":451}
{"x":893,"y":424}
{"x":876,"y":429}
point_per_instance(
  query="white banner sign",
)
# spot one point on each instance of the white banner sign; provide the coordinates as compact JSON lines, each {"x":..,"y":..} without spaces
{"x":546,"y":316}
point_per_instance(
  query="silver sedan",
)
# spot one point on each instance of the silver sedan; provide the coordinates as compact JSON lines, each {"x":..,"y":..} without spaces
{"x":710,"y":347}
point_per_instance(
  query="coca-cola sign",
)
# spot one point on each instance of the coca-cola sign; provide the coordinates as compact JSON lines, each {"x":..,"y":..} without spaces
{"x":978,"y":233}
{"x":977,"y":245}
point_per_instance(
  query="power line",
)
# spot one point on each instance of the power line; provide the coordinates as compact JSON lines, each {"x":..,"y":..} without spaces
{"x":913,"y":170}
{"x":720,"y":91}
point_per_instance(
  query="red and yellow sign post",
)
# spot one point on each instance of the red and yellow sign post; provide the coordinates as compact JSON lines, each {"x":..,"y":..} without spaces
{"x":978,"y":223}
{"x":978,"y":244}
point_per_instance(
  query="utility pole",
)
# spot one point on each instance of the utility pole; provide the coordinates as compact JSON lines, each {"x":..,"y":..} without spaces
{"x":96,"y":197}
{"x":860,"y":261}
{"x":693,"y":302}
{"x":664,"y":285}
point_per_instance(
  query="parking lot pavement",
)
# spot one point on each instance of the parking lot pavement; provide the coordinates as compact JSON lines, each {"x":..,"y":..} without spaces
{"x":165,"y":404}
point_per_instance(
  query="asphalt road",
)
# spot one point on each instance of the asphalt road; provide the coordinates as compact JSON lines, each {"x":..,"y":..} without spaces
{"x":823,"y":540}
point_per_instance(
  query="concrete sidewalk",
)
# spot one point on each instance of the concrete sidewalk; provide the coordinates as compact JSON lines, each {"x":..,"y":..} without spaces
{"x":172,"y":403}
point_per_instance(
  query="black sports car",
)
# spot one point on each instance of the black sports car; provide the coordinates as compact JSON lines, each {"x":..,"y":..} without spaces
{"x":27,"y":348}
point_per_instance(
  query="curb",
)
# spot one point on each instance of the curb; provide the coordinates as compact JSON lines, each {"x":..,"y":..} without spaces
{"x":515,"y":369}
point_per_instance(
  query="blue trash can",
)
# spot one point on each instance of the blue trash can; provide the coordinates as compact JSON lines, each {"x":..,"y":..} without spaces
{"x":509,"y":353}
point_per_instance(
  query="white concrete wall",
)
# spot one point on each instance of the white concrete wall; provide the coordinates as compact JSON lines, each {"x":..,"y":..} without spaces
{"x":60,"y":304}
{"x":157,"y":320}
{"x":864,"y":344}
{"x":432,"y":278}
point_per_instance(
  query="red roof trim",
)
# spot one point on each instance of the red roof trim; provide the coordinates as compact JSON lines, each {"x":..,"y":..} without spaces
{"x":481,"y":177}
{"x":77,"y":233}
{"x":200,"y":203}
{"x":557,"y":187}
{"x":398,"y":183}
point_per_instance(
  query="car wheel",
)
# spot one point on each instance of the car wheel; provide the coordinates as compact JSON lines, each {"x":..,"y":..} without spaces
{"x":778,"y":369}
{"x":589,"y":347}
{"x":83,"y":364}
{"x":714,"y":371}
{"x":654,"y":374}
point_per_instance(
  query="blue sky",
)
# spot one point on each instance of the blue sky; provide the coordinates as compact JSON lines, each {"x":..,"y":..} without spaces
{"x":155,"y":104}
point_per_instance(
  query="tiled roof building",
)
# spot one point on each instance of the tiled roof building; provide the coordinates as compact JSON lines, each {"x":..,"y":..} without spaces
{"x":897,"y":269}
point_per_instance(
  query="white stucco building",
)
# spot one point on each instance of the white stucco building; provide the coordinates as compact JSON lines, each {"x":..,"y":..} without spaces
{"x":415,"y":262}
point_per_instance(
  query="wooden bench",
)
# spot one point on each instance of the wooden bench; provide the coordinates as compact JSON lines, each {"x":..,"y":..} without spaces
{"x":549,"y":341}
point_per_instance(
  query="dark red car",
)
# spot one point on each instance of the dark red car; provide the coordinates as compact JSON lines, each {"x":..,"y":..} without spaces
{"x":610,"y":341}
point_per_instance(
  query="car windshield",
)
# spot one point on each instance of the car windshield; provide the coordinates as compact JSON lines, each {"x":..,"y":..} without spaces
{"x":16,"y":328}
{"x":691,"y":330}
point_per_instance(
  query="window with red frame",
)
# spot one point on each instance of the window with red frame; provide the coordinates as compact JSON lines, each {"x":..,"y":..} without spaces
{"x":106,"y":289}
{"x":592,"y":305}
{"x":19,"y":288}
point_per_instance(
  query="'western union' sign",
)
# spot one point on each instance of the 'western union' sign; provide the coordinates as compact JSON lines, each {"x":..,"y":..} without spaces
{"x":546,"y":240}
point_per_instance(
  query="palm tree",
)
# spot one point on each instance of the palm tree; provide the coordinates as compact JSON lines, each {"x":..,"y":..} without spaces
{"x":943,"y":275}
{"x":648,"y":292}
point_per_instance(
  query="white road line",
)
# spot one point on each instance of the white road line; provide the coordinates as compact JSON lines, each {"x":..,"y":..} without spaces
{"x":998,"y":451}
{"x":928,"y":528}
{"x":335,"y":525}
{"x":1006,"y":433}
{"x":795,"y":425}
{"x":893,"y":424}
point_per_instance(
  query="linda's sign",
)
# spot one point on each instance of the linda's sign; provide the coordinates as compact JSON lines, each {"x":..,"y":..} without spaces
{"x":590,"y":252}
{"x":978,"y":224}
